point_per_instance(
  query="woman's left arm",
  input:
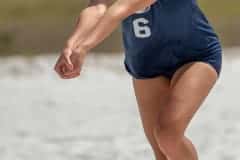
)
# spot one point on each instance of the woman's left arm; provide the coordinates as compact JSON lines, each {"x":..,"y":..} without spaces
{"x":109,"y":22}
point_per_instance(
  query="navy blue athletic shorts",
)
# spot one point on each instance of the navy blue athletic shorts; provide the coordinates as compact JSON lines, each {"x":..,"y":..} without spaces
{"x":170,"y":33}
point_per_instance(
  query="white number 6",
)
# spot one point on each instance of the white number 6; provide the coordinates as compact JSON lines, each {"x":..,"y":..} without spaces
{"x":141,"y":29}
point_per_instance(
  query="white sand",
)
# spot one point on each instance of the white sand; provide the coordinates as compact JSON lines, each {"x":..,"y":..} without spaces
{"x":95,"y":117}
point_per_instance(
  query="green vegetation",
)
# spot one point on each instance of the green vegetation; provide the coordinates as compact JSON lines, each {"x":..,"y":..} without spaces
{"x":42,"y":26}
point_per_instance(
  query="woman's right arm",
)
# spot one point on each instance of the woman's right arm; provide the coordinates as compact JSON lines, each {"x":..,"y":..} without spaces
{"x":87,"y":21}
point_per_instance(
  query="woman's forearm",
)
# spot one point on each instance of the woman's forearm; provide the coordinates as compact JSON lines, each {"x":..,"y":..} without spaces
{"x":87,"y":21}
{"x":109,"y":22}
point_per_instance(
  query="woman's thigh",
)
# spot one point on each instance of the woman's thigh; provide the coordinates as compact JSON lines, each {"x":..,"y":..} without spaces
{"x":151,"y":94}
{"x":189,"y":87}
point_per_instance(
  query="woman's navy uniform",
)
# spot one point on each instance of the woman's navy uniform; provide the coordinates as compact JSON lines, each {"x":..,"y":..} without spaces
{"x":168,"y":34}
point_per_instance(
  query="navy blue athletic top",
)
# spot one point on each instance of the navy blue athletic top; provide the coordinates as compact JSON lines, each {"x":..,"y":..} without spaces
{"x":166,"y":35}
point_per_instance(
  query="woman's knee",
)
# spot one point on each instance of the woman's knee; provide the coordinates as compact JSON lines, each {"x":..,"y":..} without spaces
{"x":167,"y":139}
{"x":168,"y":132}
{"x":170,"y":119}
{"x":169,"y":127}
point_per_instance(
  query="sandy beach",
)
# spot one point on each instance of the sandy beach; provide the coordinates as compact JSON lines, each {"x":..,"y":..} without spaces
{"x":95,"y":117}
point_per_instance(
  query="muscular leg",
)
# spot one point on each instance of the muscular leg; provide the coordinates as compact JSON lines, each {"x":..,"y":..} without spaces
{"x":189,"y":87}
{"x":151,"y":95}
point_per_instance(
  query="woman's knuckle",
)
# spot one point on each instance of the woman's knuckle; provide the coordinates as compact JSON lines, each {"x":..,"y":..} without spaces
{"x":56,"y":69}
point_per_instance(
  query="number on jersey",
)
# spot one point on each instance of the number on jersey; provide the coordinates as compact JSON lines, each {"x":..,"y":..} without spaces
{"x":141,"y":28}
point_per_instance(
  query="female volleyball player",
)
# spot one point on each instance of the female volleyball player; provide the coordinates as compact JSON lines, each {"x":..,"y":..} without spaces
{"x":172,"y":53}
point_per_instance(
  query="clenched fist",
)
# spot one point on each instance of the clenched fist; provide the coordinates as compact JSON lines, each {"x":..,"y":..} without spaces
{"x":69,"y":63}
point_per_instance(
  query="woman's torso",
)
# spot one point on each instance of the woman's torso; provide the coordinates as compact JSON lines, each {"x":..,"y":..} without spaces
{"x":167,"y":22}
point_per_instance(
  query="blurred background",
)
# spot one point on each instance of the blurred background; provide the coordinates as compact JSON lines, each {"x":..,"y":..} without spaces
{"x":42,"y":26}
{"x":95,"y":117}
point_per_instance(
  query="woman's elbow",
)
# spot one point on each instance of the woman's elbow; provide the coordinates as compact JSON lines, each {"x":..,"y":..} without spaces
{"x":123,"y":9}
{"x":120,"y":12}
{"x":101,"y":9}
{"x":97,"y":10}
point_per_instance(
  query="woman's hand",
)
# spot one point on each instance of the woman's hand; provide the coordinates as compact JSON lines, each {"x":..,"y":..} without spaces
{"x":70,"y":63}
{"x":71,"y":59}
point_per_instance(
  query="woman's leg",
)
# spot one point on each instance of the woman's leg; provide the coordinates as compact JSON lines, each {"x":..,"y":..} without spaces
{"x":151,"y":95}
{"x":189,"y":87}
